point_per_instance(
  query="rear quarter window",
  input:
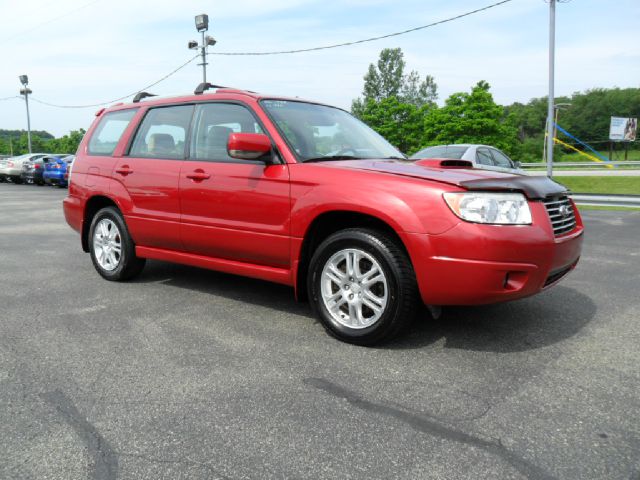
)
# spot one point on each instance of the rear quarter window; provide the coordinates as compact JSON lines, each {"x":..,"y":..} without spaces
{"x":107,"y":134}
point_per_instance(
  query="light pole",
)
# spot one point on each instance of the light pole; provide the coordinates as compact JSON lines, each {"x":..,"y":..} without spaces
{"x":550,"y":103}
{"x":202,"y":25}
{"x":557,"y":107}
{"x":554,"y":129}
{"x":26,"y":91}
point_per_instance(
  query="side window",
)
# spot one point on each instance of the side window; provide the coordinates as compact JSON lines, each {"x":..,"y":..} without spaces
{"x":162,"y":133}
{"x":213,"y":124}
{"x":501,"y":159}
{"x":483,"y":157}
{"x":107,"y":134}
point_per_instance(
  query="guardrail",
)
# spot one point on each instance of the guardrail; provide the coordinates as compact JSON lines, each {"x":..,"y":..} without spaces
{"x":633,"y":163}
{"x":606,"y":200}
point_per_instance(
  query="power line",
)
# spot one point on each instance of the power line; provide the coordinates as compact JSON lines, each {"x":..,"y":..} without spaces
{"x":120,"y":98}
{"x":9,"y":98}
{"x":325,"y":47}
{"x":47,"y":22}
{"x":371,"y":39}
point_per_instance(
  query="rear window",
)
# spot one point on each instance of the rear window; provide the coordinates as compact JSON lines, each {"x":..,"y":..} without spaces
{"x":107,"y":134}
{"x":455,"y":153}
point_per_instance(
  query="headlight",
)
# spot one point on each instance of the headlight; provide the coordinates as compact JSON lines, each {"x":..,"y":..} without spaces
{"x":484,"y":207}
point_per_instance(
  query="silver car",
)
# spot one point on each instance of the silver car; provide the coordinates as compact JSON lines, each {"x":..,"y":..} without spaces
{"x":11,"y":168}
{"x":482,"y":156}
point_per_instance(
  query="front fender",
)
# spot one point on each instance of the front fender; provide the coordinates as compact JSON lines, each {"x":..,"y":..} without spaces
{"x":326,"y":198}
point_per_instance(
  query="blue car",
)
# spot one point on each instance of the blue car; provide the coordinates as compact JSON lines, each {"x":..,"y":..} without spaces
{"x":56,"y":170}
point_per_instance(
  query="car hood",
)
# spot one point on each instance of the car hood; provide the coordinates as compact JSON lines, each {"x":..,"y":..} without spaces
{"x":534,"y":187}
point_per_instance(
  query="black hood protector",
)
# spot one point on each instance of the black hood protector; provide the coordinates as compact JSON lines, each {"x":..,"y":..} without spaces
{"x":534,"y":187}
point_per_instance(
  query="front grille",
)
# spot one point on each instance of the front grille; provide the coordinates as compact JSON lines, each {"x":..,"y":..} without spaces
{"x":561,"y":214}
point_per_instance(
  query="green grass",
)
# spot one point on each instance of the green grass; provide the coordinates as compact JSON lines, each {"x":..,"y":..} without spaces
{"x":612,"y":185}
{"x":604,"y":207}
{"x":618,"y":156}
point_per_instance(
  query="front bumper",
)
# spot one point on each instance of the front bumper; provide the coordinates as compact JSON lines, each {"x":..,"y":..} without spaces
{"x":474,"y":264}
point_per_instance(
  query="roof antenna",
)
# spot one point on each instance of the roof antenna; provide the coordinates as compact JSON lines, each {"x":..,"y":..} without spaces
{"x":200,"y":89}
{"x":140,"y":95}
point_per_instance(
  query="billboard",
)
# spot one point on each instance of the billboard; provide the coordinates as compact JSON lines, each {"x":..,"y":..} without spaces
{"x":623,"y":129}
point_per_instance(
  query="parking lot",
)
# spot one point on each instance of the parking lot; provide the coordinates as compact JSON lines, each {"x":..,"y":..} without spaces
{"x":187,"y":373}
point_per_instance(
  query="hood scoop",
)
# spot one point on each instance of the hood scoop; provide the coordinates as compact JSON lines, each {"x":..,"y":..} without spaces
{"x":444,"y":163}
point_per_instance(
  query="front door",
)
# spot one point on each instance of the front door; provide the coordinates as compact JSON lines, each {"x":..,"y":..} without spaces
{"x":232,"y":209}
{"x":150,"y":174}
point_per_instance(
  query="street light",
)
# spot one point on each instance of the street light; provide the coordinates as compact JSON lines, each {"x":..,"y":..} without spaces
{"x":24,"y":80}
{"x":202,"y":22}
{"x":556,"y":108}
{"x":202,"y":25}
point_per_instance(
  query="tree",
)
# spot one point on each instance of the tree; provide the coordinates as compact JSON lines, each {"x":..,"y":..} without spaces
{"x":387,"y":79}
{"x":400,"y":123}
{"x":471,"y":118}
{"x":16,"y":141}
{"x":419,"y":93}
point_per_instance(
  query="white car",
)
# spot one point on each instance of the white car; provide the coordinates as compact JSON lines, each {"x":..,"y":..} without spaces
{"x":482,"y":156}
{"x":11,"y":168}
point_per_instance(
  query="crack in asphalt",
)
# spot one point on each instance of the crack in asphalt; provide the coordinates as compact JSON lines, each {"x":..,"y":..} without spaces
{"x":104,"y":464}
{"x":431,"y":427}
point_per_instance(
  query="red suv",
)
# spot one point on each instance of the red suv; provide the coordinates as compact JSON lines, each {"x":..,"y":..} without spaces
{"x":306,"y":195}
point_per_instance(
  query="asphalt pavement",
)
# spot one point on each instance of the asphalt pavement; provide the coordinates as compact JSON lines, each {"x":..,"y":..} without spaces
{"x":187,"y":373}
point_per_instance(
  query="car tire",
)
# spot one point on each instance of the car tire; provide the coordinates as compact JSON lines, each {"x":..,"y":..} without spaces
{"x":111,"y":248}
{"x":16,"y":180}
{"x":362,"y":286}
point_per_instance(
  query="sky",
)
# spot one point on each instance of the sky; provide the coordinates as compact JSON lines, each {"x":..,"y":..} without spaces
{"x":79,"y":52}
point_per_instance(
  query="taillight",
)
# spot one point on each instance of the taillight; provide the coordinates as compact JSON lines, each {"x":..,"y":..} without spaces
{"x":36,"y":166}
{"x":9,"y":164}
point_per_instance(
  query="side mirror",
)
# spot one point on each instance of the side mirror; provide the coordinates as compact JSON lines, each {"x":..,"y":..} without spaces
{"x":248,"y":146}
{"x":517,"y":164}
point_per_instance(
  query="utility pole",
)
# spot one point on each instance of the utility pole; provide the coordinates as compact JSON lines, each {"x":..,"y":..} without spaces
{"x":550,"y":105}
{"x":204,"y":64}
{"x":202,"y":25}
{"x":26,"y":91}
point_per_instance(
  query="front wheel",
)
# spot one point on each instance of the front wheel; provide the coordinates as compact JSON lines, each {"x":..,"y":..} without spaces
{"x":362,"y":286}
{"x":111,"y":247}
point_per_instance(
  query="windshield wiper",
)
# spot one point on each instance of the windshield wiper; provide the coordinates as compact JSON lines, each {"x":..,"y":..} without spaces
{"x":395,"y":157}
{"x":330,"y":158}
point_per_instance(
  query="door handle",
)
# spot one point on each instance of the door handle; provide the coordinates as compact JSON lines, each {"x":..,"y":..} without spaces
{"x":198,"y":175}
{"x":124,"y":170}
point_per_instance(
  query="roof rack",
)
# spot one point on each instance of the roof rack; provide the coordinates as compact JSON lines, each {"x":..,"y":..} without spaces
{"x":140,"y":95}
{"x":200,"y":89}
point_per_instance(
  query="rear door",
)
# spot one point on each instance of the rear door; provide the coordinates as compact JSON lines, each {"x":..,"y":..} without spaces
{"x":150,"y":174}
{"x":233,"y":209}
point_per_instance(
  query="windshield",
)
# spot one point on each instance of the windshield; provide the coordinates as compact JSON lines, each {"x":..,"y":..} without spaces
{"x":318,"y":132}
{"x":445,"y":151}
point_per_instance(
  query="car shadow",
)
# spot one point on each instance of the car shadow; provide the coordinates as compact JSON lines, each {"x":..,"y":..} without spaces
{"x":243,"y":289}
{"x":521,"y":325}
{"x":527,"y":324}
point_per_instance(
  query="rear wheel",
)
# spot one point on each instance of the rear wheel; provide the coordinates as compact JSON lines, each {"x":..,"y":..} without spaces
{"x":111,"y":247}
{"x":362,"y":286}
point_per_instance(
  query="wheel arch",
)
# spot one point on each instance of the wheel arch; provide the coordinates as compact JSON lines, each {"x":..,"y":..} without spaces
{"x":93,"y":206}
{"x":326,"y":224}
